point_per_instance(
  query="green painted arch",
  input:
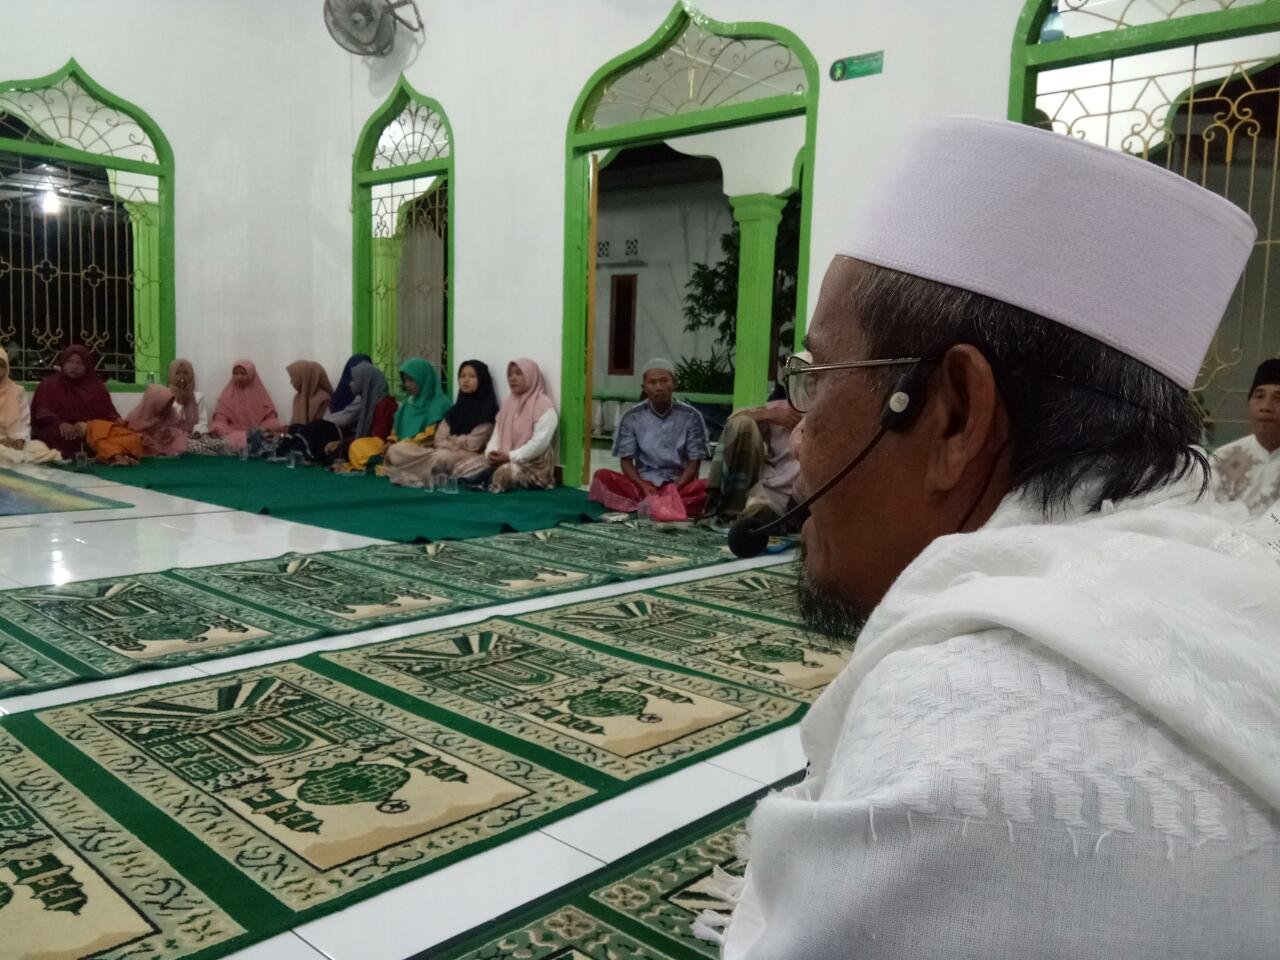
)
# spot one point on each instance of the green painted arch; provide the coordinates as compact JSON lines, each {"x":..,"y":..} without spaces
{"x":363,"y":179}
{"x":155,"y":350}
{"x":1029,"y":57}
{"x":579,"y":144}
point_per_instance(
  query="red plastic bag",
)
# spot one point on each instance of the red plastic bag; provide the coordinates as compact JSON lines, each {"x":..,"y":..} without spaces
{"x":665,"y":506}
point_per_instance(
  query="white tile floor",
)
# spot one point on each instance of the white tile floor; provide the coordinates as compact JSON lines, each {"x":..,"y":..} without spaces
{"x":162,"y":532}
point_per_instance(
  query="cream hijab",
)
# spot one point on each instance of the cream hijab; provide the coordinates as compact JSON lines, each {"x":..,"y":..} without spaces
{"x":10,"y":398}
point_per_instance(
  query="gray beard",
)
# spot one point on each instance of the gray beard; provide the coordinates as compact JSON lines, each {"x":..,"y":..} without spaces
{"x":825,"y":613}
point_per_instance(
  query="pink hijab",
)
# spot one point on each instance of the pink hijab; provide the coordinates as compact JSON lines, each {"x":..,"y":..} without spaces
{"x":153,"y":419}
{"x":240,"y":410}
{"x":518,"y":414}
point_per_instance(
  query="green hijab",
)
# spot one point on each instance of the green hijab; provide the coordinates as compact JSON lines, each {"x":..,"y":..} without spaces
{"x":428,"y":407}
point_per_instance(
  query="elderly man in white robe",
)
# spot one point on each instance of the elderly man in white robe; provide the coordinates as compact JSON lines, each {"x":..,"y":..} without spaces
{"x":1059,"y":731}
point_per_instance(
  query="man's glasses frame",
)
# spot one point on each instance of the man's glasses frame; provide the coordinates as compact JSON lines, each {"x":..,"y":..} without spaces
{"x":802,"y":381}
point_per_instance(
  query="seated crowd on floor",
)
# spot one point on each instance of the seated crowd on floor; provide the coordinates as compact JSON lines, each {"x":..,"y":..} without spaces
{"x":661,"y":443}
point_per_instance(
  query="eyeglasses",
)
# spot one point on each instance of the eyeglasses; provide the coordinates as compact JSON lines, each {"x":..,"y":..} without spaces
{"x":802,"y":377}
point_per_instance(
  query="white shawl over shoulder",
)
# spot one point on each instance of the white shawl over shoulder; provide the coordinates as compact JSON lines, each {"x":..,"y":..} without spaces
{"x":1052,"y":740}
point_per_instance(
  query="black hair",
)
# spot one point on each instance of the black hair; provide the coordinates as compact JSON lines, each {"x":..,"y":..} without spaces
{"x":1080,"y":411}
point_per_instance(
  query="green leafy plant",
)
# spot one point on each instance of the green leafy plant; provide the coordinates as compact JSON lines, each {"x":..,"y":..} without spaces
{"x":715,"y":375}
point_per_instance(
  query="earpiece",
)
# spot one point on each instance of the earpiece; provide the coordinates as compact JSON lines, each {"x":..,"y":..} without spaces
{"x":905,"y":400}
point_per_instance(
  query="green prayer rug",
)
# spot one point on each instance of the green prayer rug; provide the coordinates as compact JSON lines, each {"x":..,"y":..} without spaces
{"x":465,"y":565}
{"x":309,"y":789}
{"x":596,"y":711}
{"x":185,"y":821}
{"x":21,"y":494}
{"x":665,"y":538}
{"x":99,"y":628}
{"x":642,"y":908}
{"x":774,"y":656}
{"x":768,"y":592}
{"x":75,"y":882}
{"x":24,"y":669}
{"x":582,"y":548}
{"x":361,"y":504}
{"x":54,"y":635}
{"x":330,"y":592}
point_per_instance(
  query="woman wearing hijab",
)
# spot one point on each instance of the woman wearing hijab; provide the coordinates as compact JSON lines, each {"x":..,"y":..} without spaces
{"x":16,"y":445}
{"x":190,"y":414}
{"x":317,"y":439}
{"x":312,"y":391}
{"x":244,"y":406}
{"x":377,"y":414}
{"x":460,"y":437}
{"x":521,"y":452}
{"x":415,"y":423}
{"x":153,"y":420}
{"x":342,"y":395}
{"x":68,"y":400}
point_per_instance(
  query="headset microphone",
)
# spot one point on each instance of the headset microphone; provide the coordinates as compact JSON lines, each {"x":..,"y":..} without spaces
{"x":749,"y":536}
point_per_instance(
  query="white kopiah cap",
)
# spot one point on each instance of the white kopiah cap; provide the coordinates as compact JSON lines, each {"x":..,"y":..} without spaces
{"x":1099,"y":241}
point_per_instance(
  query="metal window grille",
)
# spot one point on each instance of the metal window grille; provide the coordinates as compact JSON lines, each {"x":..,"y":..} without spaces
{"x":1211,"y":113}
{"x":698,"y":70}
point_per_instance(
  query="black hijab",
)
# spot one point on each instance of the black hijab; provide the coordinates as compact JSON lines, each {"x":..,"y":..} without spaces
{"x":470,"y":410}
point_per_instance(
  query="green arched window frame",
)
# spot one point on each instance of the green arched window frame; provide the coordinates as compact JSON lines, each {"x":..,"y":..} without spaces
{"x":1031,"y":57}
{"x":154,"y":330}
{"x":374,"y":331}
{"x":583,"y":139}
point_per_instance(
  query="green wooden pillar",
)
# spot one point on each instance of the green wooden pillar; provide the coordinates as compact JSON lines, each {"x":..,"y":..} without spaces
{"x":758,"y":216}
{"x":384,"y":295}
{"x":144,"y":222}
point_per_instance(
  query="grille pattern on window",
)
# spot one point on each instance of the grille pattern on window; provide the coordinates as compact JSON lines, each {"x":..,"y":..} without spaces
{"x":602,"y":249}
{"x":1211,"y":113}
{"x":698,"y":70}
{"x":409,"y":280}
{"x":82,"y":242}
{"x":633,"y":248}
{"x":68,"y":271}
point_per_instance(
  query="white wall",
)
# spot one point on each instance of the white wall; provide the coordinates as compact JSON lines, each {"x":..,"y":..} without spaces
{"x":677,"y":226}
{"x":256,"y":102}
{"x":263,"y":110}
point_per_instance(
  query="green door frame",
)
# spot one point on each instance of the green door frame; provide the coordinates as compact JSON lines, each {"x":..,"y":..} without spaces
{"x":1030,"y":57}
{"x":363,"y":180}
{"x":152,"y":362}
{"x":579,"y":144}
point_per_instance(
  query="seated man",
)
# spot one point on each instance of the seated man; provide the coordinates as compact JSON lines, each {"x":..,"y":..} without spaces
{"x":1248,"y":469}
{"x":660,"y":441}
{"x":1058,"y":734}
{"x":755,"y":470}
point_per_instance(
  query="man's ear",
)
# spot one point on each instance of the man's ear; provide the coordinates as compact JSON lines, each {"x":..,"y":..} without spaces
{"x":961,"y":417}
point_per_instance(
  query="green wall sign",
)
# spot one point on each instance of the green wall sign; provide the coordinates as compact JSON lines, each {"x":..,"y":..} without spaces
{"x":863,"y":65}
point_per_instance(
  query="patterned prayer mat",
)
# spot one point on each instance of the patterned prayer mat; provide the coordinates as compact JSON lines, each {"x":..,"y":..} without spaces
{"x":602,"y":714}
{"x":330,"y":593}
{"x":623,"y":557}
{"x":768,"y":592}
{"x":775,"y":656}
{"x":75,"y":882}
{"x":642,"y":908}
{"x":21,"y":494}
{"x":463,"y":565}
{"x":100,"y":628}
{"x":55,"y":635}
{"x":185,"y":821}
